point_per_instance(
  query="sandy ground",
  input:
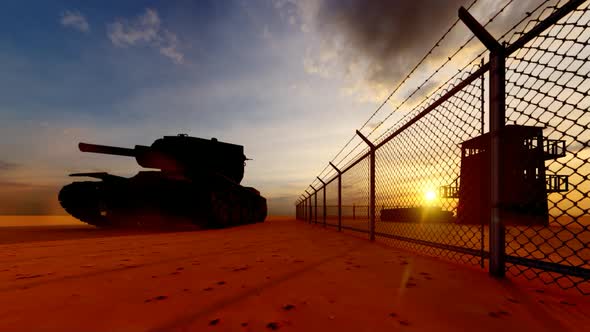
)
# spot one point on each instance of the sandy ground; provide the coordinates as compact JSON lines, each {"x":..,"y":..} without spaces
{"x":282,"y":274}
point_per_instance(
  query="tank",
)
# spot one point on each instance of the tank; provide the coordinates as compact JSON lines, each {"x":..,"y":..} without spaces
{"x":193,"y":181}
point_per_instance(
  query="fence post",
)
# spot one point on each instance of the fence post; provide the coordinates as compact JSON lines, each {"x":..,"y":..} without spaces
{"x":308,"y":212}
{"x":483,"y":91}
{"x":339,"y":196}
{"x":324,"y":200}
{"x":308,"y":207}
{"x":315,"y":204}
{"x":371,"y":186}
{"x":301,"y":206}
{"x":302,"y":209}
{"x":497,"y":118}
{"x":311,"y":208}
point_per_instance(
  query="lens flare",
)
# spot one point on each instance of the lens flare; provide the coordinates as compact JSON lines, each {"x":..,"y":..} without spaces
{"x":430,"y":195}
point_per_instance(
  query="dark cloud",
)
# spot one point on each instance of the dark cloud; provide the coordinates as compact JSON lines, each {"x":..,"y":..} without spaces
{"x":391,"y":35}
{"x":7,"y":166}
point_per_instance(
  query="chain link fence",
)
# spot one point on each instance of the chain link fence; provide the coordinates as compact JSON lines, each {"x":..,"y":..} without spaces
{"x":547,"y":83}
{"x":355,"y":197}
{"x":412,"y":167}
{"x":492,"y":168}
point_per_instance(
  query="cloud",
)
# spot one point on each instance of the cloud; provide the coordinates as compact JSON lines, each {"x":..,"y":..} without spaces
{"x":74,"y":20}
{"x":169,"y":49}
{"x":145,"y":29}
{"x":7,"y":166}
{"x":389,"y":35}
{"x":376,"y":43}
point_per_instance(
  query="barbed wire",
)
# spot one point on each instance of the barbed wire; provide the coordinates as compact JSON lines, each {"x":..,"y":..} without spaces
{"x":399,"y":85}
{"x":402,"y":82}
{"x":527,"y":15}
{"x":336,"y":162}
{"x":429,"y":96}
{"x":448,"y":60}
{"x":546,"y":75}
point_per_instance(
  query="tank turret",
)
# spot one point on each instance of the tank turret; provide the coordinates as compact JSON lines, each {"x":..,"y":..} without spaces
{"x":190,"y":156}
{"x":198,"y":180}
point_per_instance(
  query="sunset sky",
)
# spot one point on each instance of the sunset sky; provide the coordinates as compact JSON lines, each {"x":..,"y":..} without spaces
{"x":289,"y":80}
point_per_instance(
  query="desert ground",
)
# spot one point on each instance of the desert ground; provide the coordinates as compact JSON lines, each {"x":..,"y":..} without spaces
{"x":279,"y":275}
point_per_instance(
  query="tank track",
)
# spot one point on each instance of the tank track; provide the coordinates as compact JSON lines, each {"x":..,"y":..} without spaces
{"x":236,"y":206}
{"x":231,"y":206}
{"x":81,"y":200}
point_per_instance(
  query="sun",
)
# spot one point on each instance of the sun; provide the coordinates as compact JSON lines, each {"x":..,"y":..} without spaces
{"x":430,"y":195}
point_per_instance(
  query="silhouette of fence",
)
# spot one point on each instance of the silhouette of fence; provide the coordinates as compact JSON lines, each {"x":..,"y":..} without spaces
{"x":498,"y":180}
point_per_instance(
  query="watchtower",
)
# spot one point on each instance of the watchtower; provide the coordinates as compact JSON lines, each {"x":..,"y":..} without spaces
{"x":525,"y":182}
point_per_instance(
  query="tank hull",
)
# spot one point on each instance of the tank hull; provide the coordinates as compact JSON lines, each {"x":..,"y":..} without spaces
{"x":156,"y":199}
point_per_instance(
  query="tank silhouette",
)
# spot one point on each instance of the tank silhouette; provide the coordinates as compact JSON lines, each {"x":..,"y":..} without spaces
{"x":197,"y":181}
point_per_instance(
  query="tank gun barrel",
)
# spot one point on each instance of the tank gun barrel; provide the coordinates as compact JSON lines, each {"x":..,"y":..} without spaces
{"x":105,"y":149}
{"x":192,"y":157}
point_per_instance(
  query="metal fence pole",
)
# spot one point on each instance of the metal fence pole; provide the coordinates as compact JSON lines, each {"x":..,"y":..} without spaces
{"x":482,"y":130}
{"x":371,"y":186}
{"x":303,"y":207}
{"x":324,"y":200}
{"x":307,"y":205}
{"x":339,"y":197}
{"x":483,"y":91}
{"x":307,"y":208}
{"x":311,"y":208}
{"x":497,"y":122}
{"x":308,"y":214}
{"x":315,"y":207}
{"x":315,"y":202}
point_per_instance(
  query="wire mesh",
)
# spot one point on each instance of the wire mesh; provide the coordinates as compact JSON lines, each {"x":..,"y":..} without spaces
{"x":314,"y":208}
{"x":332,"y":203}
{"x":410,"y":169}
{"x":433,"y":177}
{"x":355,"y":197}
{"x":320,"y":209}
{"x":547,"y":83}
